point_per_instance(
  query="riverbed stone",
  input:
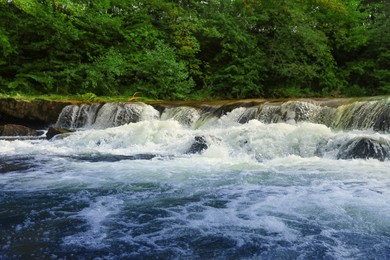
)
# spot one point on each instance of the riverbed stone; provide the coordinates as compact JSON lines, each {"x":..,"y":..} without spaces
{"x":17,"y":130}
{"x":53,"y":131}
{"x":36,"y":113}
{"x":365,"y":148}
{"x":199,"y":145}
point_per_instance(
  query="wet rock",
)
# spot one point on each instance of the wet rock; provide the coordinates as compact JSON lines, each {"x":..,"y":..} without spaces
{"x":113,"y":158}
{"x":31,"y":113}
{"x":249,"y":114}
{"x":53,"y":131}
{"x":364,"y":148}
{"x":17,"y":130}
{"x":198,"y":146}
{"x":382,"y":121}
{"x":228,"y":107}
{"x":11,"y":164}
{"x":299,"y":111}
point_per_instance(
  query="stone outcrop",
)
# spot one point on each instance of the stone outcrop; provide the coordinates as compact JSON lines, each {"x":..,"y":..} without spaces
{"x":17,"y":130}
{"x":39,"y":113}
{"x":382,"y":122}
{"x":364,"y":148}
{"x":35,"y":114}
{"x":53,"y":131}
{"x":198,"y":146}
{"x":113,"y":158}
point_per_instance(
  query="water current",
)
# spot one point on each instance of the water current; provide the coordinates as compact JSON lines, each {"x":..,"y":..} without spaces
{"x":136,"y":183}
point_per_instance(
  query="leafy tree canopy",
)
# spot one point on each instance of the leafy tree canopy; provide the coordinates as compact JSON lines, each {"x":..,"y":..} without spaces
{"x":178,"y":49}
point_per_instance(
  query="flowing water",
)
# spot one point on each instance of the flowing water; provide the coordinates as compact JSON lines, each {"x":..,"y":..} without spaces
{"x":261,"y":182}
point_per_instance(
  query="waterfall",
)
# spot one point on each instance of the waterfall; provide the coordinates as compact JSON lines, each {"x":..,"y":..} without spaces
{"x":67,"y":116}
{"x":103,"y":116}
{"x":184,"y":115}
{"x":364,"y":115}
{"x":292,"y":112}
{"x":341,"y":115}
{"x":261,"y":130}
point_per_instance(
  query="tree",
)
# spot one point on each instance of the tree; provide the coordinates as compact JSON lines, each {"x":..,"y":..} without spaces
{"x":229,"y":48}
{"x":175,"y":48}
{"x":160,"y":75}
{"x":367,"y":68}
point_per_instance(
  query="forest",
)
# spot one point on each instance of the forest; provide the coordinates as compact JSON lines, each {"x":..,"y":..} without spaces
{"x":192,"y":49}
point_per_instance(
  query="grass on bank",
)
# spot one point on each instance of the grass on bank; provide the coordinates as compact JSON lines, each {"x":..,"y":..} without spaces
{"x":88,"y":97}
{"x":137,"y":97}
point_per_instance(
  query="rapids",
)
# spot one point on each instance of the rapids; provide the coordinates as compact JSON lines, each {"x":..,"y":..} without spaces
{"x":268,"y":183}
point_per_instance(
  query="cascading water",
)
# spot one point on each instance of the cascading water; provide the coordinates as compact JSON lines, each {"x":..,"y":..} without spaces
{"x":104,"y":116}
{"x":300,"y":179}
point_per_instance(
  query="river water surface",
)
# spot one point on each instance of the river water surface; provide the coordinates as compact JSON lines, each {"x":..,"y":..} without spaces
{"x":137,"y":191}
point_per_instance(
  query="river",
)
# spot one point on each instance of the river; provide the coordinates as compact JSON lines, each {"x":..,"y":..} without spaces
{"x":136,"y":183}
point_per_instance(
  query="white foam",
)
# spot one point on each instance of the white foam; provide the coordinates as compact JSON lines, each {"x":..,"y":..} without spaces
{"x":226,"y":139}
{"x":96,"y":216}
{"x":254,"y":181}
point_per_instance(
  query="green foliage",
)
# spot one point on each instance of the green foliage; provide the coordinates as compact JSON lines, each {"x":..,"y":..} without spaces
{"x":160,"y":75}
{"x":290,"y":92}
{"x":170,"y":49}
{"x":88,"y":97}
{"x":235,"y":62}
{"x":102,"y":74}
{"x":5,"y":44}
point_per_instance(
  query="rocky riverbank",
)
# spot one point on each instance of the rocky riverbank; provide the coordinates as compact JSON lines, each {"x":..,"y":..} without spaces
{"x":40,"y":113}
{"x":24,"y":117}
{"x":36,"y":114}
{"x":21,"y":119}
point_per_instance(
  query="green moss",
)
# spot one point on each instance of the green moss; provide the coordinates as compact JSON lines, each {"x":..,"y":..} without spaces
{"x":87,"y":98}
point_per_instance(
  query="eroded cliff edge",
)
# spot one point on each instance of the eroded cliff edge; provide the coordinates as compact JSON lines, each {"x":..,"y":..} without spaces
{"x":40,"y":113}
{"x":35,"y":114}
